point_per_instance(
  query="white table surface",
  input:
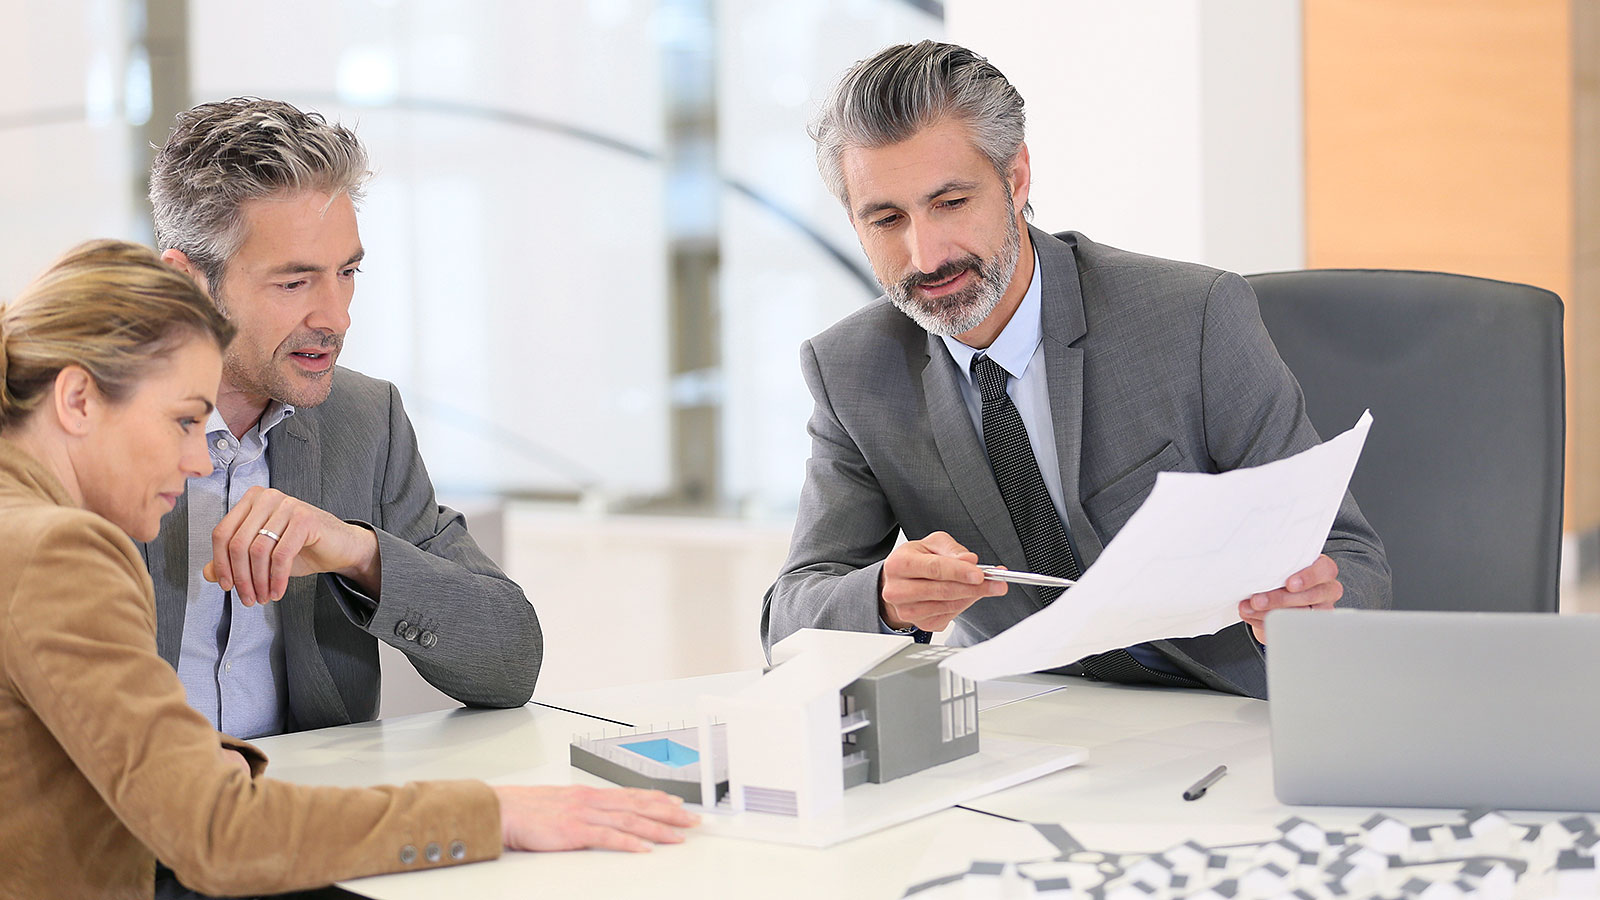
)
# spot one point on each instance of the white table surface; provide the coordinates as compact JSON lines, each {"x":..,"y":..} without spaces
{"x":1145,"y":746}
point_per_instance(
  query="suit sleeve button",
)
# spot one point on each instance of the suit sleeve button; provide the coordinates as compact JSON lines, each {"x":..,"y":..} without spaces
{"x":408,"y":854}
{"x":458,"y":850}
{"x":411,"y":632}
{"x":432,"y":853}
{"x":427,"y":639}
{"x":400,"y":628}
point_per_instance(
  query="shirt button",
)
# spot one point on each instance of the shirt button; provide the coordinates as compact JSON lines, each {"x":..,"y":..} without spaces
{"x":408,"y":854}
{"x":222,"y":443}
{"x":411,"y":632}
{"x":400,"y":628}
{"x":427,"y":639}
{"x":227,"y":667}
{"x":458,"y":850}
{"x":432,"y":853}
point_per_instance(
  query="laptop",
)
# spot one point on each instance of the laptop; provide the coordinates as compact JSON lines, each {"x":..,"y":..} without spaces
{"x":1436,"y":709}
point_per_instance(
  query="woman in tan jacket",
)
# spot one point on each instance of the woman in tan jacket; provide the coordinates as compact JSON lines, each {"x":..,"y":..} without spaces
{"x":109,"y":365}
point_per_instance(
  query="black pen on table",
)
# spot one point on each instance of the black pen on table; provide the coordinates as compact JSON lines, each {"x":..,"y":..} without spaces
{"x":1199,"y":788}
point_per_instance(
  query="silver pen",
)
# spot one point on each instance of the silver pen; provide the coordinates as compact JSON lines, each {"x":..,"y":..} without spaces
{"x":995,"y":573}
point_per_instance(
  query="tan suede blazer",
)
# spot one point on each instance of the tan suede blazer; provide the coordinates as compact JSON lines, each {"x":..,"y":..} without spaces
{"x":104,"y":767}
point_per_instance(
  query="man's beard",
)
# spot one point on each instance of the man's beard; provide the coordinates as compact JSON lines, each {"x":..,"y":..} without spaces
{"x":301,"y":390}
{"x":298,"y":389}
{"x":965,"y":309}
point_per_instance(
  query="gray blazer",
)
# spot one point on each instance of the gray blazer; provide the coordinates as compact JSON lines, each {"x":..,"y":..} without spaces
{"x":1152,"y":365}
{"x":356,"y":457}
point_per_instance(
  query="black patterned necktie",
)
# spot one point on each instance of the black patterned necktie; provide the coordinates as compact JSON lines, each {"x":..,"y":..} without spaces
{"x":1044,"y":540}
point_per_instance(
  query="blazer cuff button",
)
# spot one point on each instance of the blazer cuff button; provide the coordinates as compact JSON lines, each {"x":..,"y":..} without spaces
{"x":458,"y":850}
{"x":400,"y":628}
{"x":408,"y":854}
{"x":427,"y":639}
{"x":432,"y":853}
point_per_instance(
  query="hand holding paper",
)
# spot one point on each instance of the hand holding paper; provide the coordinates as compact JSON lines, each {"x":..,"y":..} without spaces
{"x":1179,"y":567}
{"x":1314,"y":587}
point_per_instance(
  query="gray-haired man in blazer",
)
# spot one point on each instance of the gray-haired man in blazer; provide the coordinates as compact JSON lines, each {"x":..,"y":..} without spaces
{"x":1005,"y":364}
{"x":318,"y":534}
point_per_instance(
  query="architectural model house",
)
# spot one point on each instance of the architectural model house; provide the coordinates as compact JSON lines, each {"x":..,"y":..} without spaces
{"x":838,"y":709}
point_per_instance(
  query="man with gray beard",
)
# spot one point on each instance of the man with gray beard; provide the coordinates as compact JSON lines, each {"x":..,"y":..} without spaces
{"x":1013,"y":400}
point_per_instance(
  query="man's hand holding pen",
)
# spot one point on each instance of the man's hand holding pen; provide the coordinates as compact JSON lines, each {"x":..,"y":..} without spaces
{"x":927,"y":583}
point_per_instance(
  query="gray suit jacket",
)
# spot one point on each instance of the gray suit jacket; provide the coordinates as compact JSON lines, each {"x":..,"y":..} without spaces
{"x":1152,"y":365}
{"x":356,"y":457}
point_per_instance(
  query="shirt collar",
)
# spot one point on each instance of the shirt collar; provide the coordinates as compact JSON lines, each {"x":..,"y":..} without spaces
{"x":275,"y":413}
{"x":1013,"y":347}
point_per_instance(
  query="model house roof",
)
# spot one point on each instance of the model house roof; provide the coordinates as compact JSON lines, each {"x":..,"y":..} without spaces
{"x":814,"y":662}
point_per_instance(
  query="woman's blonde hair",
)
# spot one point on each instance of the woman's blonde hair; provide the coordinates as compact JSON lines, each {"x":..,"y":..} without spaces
{"x":110,"y":307}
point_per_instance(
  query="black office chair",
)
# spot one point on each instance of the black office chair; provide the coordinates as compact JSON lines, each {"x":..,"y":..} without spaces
{"x":1462,"y":471}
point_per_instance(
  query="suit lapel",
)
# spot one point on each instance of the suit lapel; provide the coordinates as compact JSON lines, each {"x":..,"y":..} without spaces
{"x":167,"y":558}
{"x":1063,"y":324}
{"x":294,"y":466}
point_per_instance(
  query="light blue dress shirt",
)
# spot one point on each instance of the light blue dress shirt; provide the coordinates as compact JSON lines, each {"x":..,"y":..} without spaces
{"x":231,"y":662}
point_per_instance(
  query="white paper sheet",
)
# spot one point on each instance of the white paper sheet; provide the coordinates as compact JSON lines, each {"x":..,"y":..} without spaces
{"x":1198,"y":545}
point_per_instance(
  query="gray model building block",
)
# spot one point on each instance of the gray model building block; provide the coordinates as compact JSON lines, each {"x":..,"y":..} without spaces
{"x":1280,"y":853}
{"x":1152,"y":870}
{"x":1573,"y":861}
{"x":1059,"y":837}
{"x":1264,"y":881}
{"x":1441,"y":890}
{"x":1187,"y":858}
{"x":1127,"y":890}
{"x":1386,"y":835}
{"x":1414,"y":886}
{"x":1491,"y":828}
{"x":1578,"y":823}
{"x":1423,"y":848}
{"x":1227,"y":889}
{"x":1476,"y":868}
{"x":905,"y":707}
{"x":1499,"y":882}
{"x":1358,"y":871}
{"x":1368,"y":859}
{"x":856,"y":770}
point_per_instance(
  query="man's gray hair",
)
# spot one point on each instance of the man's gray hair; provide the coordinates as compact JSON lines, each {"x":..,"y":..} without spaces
{"x":890,"y":96}
{"x":220,"y":155}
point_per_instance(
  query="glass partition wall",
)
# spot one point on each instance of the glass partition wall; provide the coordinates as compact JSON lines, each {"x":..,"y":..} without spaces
{"x":595,"y":239}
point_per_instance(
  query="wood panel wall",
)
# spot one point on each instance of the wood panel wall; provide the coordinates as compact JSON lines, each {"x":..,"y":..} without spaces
{"x":1444,"y":134}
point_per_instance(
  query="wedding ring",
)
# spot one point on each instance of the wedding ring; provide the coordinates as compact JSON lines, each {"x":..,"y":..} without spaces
{"x":268,"y":534}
